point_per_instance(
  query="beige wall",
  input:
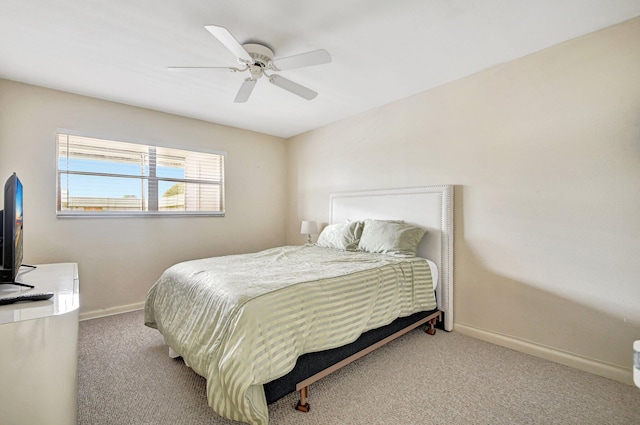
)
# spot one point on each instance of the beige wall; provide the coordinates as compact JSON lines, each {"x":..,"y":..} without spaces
{"x":545,"y":155}
{"x":119,"y":259}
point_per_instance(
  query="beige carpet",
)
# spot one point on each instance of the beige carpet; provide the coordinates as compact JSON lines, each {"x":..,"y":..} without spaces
{"x":126,"y":377}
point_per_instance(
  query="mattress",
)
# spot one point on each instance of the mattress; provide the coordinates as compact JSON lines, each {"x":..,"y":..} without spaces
{"x":243,"y":320}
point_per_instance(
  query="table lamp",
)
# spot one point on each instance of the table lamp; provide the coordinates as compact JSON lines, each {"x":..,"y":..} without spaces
{"x":309,"y":228}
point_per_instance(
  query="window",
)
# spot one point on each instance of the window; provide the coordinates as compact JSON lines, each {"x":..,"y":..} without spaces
{"x":98,"y":177}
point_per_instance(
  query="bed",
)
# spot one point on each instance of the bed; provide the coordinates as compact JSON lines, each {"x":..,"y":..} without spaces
{"x":256,"y":324}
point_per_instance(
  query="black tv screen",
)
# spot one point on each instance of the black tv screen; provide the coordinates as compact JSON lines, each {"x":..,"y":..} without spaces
{"x":12,"y":223}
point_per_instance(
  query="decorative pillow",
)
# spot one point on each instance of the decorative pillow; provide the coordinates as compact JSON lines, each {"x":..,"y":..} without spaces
{"x":391,"y":238}
{"x":341,"y":236}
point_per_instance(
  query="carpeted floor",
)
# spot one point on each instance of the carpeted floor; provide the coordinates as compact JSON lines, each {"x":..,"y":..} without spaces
{"x":126,"y":377}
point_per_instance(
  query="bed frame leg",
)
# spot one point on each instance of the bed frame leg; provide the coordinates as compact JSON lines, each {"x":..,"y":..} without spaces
{"x":431,"y":330}
{"x":302,"y":405}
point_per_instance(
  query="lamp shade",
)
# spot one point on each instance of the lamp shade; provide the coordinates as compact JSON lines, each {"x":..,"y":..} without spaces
{"x":309,"y":228}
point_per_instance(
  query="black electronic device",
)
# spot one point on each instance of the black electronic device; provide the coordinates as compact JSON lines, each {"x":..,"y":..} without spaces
{"x":11,"y":232}
{"x":35,"y":296}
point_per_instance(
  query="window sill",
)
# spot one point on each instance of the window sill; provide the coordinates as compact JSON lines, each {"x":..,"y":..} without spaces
{"x":135,"y":214}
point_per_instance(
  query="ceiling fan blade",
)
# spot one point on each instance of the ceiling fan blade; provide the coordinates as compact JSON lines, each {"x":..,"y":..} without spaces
{"x":206,"y":68}
{"x":225,"y":37}
{"x":294,"y":88}
{"x":245,"y":90}
{"x":315,"y":57}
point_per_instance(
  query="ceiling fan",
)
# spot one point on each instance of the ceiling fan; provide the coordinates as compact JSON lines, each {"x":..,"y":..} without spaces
{"x":257,"y":59}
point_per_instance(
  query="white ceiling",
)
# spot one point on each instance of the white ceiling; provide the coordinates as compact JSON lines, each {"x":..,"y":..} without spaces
{"x":382,"y":50}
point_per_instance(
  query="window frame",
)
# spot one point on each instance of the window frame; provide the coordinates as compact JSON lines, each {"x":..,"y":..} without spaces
{"x":131,"y":213}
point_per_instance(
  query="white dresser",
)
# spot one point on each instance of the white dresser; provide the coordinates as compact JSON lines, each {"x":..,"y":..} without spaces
{"x":39,"y":349}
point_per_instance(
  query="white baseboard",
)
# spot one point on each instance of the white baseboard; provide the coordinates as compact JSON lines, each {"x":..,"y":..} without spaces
{"x":111,"y":311}
{"x":596,"y":367}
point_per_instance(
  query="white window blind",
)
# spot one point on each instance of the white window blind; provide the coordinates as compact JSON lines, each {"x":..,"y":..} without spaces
{"x":98,"y":177}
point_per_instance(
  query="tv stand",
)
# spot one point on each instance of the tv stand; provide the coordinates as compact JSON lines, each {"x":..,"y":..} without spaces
{"x":6,"y":275}
{"x":39,"y":355}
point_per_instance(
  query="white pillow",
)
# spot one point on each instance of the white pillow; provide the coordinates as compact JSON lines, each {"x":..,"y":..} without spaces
{"x":391,"y":238}
{"x":341,"y":236}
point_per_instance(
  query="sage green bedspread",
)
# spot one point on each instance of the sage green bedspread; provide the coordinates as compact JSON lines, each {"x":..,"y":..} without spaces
{"x":242,"y":320}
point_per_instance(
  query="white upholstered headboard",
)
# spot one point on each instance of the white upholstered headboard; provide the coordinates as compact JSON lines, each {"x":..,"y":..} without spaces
{"x":430,"y":207}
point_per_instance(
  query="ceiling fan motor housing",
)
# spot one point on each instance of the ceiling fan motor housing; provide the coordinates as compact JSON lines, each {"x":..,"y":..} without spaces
{"x":260,"y":54}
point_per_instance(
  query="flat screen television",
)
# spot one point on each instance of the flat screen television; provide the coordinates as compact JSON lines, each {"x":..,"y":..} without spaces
{"x":11,"y":236}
